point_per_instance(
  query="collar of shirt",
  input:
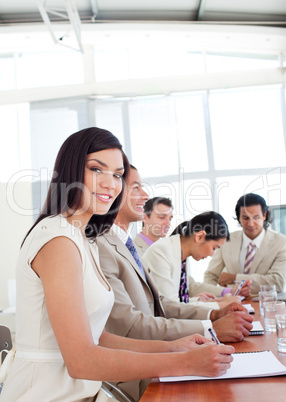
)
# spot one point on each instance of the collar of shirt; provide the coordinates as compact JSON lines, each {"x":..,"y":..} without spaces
{"x":146,"y":239}
{"x":123,"y":236}
{"x":257,"y":241}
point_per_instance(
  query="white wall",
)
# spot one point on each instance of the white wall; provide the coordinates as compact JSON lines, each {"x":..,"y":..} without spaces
{"x":16,"y":219}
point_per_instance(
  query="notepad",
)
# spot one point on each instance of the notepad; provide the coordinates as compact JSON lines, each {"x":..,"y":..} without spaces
{"x":249,"y":308}
{"x":257,"y":328}
{"x":244,"y":365}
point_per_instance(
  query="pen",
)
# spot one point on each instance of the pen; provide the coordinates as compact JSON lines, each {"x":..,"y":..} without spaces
{"x":239,"y":287}
{"x":214,"y":336}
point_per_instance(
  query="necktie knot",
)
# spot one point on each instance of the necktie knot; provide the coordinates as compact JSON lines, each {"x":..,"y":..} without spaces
{"x":131,"y":247}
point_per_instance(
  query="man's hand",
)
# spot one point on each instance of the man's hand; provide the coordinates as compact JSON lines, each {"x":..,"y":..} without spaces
{"x":233,"y":327}
{"x":227,"y":299}
{"x":205,"y":296}
{"x":226,"y":279}
{"x":217,"y":314}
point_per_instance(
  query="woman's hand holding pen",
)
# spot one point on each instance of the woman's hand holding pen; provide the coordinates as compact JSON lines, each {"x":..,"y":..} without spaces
{"x":205,"y":296}
{"x":209,"y":360}
{"x":245,"y":289}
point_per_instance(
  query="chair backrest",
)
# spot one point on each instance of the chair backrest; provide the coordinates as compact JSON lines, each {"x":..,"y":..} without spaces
{"x":114,"y":392}
{"x":5,"y":340}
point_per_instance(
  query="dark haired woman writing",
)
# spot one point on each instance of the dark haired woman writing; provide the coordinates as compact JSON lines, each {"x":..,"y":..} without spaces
{"x":63,"y":299}
{"x":197,"y":238}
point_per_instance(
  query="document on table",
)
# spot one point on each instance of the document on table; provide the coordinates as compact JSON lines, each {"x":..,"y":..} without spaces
{"x":244,"y":365}
{"x":257,"y":328}
{"x":249,"y":308}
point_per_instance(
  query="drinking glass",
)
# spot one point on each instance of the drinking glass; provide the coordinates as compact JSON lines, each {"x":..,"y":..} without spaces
{"x":267,"y":288}
{"x":270,"y":296}
{"x":281,"y":332}
{"x":271,"y":309}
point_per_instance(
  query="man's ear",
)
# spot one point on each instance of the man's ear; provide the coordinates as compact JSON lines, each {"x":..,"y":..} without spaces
{"x":200,"y":236}
{"x":145,"y":218}
{"x":264,"y":215}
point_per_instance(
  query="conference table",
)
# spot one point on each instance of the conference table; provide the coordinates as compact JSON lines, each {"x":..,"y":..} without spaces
{"x":262,"y":389}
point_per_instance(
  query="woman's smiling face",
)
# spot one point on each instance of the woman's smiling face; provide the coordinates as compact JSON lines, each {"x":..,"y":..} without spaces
{"x":102,"y":181}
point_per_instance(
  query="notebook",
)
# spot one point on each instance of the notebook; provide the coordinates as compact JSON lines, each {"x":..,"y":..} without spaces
{"x":244,"y":365}
{"x":249,"y":308}
{"x":257,"y":328}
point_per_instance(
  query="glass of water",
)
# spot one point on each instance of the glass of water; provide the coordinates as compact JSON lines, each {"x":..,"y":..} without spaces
{"x":265,"y":296}
{"x":271,"y":309}
{"x":281,"y":332}
{"x":267,"y":288}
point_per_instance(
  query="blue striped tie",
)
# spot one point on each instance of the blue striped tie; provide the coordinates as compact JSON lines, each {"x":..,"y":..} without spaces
{"x":130,"y":245}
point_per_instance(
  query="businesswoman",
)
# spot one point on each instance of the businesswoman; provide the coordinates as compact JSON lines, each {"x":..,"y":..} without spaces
{"x":63,"y":299}
{"x":197,"y":238}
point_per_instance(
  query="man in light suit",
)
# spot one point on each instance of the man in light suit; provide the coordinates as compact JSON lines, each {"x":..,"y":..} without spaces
{"x":158,"y":213}
{"x":232,"y":262}
{"x":139,"y":311}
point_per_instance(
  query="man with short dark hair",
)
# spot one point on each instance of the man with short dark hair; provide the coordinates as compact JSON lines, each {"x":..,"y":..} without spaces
{"x":139,"y":311}
{"x":255,"y":253}
{"x":158,"y":213}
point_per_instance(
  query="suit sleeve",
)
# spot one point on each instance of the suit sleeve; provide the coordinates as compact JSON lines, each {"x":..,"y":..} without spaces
{"x":196,"y":288}
{"x":215,"y":268}
{"x":161,"y":269}
{"x":128,"y":319}
{"x":272,"y":271}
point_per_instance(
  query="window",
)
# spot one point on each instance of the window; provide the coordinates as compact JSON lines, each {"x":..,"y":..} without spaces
{"x":191,"y":130}
{"x":152,"y":135}
{"x":109,"y":115}
{"x":271,"y":186}
{"x":247,"y":128}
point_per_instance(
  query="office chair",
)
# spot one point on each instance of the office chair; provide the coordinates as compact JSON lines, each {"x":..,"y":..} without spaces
{"x":5,"y":345}
{"x":108,"y":387}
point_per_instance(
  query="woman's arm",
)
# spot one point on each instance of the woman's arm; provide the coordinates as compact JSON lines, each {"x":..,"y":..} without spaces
{"x":59,"y":266}
{"x":179,"y":345}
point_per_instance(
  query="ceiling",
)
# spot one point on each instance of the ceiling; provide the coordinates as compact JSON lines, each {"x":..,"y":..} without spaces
{"x":260,"y":12}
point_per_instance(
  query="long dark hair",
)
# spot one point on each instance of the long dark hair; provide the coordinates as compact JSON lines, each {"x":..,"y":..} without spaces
{"x":211,"y":222}
{"x":66,"y":187}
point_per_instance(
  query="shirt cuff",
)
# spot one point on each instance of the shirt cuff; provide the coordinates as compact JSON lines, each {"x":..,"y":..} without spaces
{"x":207,"y":324}
{"x":226,"y":291}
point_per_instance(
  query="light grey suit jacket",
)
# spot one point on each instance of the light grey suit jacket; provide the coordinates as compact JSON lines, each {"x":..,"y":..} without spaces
{"x":268,"y":266}
{"x":139,"y":312}
{"x":140,"y":244}
{"x":163,"y":260}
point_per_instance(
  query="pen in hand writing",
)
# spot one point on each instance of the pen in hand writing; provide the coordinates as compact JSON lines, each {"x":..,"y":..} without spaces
{"x":214,"y":336}
{"x":239,"y":287}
